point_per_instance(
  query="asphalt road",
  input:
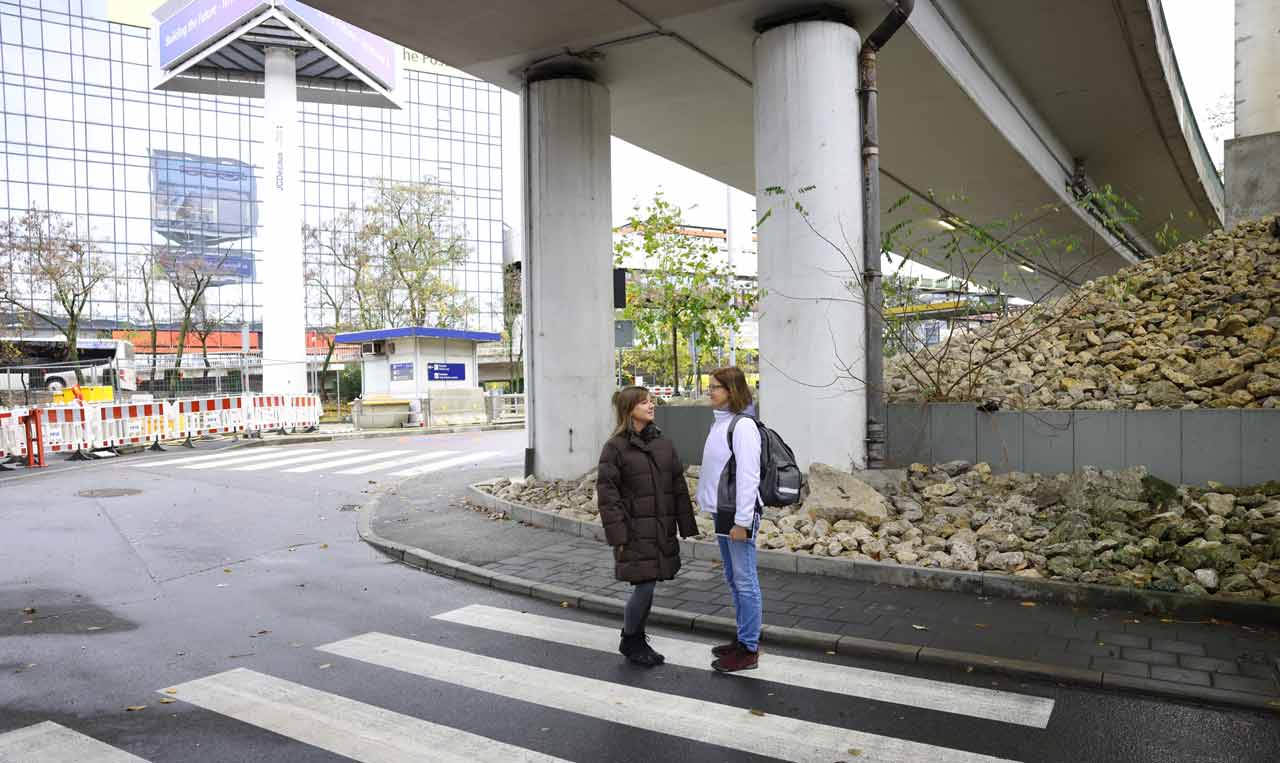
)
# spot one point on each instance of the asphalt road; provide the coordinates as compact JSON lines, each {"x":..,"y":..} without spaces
{"x":229,"y":568}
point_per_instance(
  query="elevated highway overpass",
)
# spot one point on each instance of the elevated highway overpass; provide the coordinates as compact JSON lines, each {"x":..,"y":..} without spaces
{"x":1009,"y":104}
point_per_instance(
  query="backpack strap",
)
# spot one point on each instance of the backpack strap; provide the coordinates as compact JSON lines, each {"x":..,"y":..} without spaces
{"x":733,"y":423}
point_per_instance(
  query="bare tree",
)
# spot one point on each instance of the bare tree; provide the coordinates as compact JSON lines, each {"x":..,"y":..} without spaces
{"x":340,"y":295}
{"x":190,"y":274}
{"x":205,"y":323}
{"x":150,"y":279}
{"x":56,"y":266}
{"x":1028,"y":259}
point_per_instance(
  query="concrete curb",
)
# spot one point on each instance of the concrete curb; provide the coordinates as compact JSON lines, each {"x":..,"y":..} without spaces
{"x":429,"y":562}
{"x":295,"y":439}
{"x":1092,"y":596}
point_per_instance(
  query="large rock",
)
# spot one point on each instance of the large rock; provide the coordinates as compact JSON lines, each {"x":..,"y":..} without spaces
{"x":835,"y":495}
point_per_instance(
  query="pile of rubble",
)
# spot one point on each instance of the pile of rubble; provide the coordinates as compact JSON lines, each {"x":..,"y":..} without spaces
{"x":1194,"y":328}
{"x":1122,"y":528}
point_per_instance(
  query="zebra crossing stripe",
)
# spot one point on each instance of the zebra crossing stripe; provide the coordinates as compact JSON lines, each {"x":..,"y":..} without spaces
{"x":347,"y":460}
{"x":286,"y":459}
{"x":340,"y":725}
{"x":976,"y":702}
{"x":272,"y":454}
{"x":441,"y":465}
{"x":50,"y":743}
{"x":399,"y":462}
{"x":212,"y":458}
{"x":699,"y":720}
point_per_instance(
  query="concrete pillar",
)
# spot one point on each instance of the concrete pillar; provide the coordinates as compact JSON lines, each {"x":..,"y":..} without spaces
{"x":569,"y":295}
{"x":1252,"y":172}
{"x":280,"y":269}
{"x":812,"y":354}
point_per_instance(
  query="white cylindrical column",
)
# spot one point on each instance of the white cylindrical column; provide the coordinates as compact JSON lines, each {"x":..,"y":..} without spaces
{"x":569,"y":300}
{"x":280,"y":271}
{"x":812,"y":344}
{"x":1257,"y":67}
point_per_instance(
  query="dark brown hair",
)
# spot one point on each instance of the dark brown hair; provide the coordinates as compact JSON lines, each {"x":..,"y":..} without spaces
{"x":624,"y":402}
{"x":735,"y":383}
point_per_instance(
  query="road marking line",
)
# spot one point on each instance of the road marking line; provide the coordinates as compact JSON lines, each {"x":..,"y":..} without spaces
{"x":977,"y":702}
{"x":286,"y":459}
{"x":248,"y":458}
{"x":50,"y":743}
{"x":399,"y":462}
{"x":459,"y":461}
{"x":340,"y":725}
{"x":347,"y":460}
{"x":710,"y":722}
{"x":213,"y":457}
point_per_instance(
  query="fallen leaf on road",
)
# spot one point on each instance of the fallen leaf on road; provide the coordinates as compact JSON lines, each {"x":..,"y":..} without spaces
{"x":920,"y":627}
{"x":324,"y":545}
{"x":170,"y":691}
{"x":135,"y":708}
{"x":326,"y":666}
{"x":262,"y":632}
{"x":226,"y":569}
{"x":94,"y":628}
{"x":564,"y":605}
{"x":855,"y":752}
{"x":830,"y":652}
{"x":167,"y":701}
{"x":29,"y":611}
{"x":981,"y":625}
{"x":1028,"y":603}
{"x":757,"y":711}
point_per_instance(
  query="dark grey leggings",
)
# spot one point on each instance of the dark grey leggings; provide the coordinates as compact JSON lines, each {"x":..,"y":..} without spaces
{"x":638,"y":606}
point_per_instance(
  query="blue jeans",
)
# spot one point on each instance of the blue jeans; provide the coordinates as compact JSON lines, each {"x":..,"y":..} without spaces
{"x":740,"y":572}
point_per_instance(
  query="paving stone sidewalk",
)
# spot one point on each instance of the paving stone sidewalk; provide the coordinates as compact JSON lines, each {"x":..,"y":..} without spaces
{"x":1155,"y":654}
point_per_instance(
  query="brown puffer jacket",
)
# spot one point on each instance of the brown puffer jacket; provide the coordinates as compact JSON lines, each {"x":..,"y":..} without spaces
{"x":643,"y":501}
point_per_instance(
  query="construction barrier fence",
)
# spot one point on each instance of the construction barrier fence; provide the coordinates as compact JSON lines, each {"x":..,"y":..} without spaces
{"x":83,"y":426}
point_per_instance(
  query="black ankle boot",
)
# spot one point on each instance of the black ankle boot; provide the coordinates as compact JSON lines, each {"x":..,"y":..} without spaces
{"x":635,"y":649}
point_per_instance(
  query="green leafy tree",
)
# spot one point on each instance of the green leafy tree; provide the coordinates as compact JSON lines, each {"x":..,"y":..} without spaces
{"x":684,"y":287}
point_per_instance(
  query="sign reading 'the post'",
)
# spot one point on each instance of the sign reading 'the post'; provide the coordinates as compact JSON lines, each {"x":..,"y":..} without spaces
{"x":446,"y":371}
{"x":402,"y":372}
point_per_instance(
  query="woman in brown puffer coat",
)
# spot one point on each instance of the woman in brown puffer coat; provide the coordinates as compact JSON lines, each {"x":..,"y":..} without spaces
{"x":644,"y":501}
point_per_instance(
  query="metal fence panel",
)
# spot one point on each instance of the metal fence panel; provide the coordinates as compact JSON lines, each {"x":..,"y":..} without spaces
{"x":1099,"y":439}
{"x":1259,"y":446}
{"x":907,"y":436}
{"x":1211,"y":447}
{"x":1000,"y":440}
{"x":1154,"y":439}
{"x":957,"y":421}
{"x":686,"y":426}
{"x":1048,"y":442}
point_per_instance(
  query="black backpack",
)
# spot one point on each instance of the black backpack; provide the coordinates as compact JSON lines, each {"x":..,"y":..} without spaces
{"x":780,"y":478}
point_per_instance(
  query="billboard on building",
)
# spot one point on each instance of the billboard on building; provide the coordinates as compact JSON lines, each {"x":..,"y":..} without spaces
{"x":200,"y":22}
{"x":202,"y":199}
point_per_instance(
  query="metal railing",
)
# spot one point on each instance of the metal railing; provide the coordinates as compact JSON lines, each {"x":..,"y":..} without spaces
{"x":505,"y":409}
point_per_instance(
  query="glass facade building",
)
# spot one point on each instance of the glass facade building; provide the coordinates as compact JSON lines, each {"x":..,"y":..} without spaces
{"x":84,"y":136}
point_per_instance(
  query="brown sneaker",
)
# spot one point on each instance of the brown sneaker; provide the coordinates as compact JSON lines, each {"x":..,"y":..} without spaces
{"x":738,"y":659}
{"x":723,"y":649}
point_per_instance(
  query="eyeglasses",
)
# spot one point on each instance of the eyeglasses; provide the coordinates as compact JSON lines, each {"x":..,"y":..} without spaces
{"x":711,"y":387}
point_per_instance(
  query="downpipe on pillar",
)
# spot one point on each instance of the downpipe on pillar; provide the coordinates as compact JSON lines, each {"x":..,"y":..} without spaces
{"x":873,"y":291}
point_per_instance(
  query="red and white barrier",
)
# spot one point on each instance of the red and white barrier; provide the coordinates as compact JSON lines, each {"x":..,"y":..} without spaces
{"x":84,"y":426}
{"x":133,"y":424}
{"x":201,"y":416}
{"x":68,"y":428}
{"x":13,"y":432}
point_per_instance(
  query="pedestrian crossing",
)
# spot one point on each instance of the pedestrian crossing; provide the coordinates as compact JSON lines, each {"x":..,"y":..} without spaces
{"x":364,"y":731}
{"x":345,"y":462}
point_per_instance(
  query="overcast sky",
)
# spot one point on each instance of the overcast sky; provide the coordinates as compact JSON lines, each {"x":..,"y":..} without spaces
{"x":1202,"y":32}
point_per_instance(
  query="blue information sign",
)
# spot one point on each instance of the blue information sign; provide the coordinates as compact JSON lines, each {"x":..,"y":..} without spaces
{"x":446,"y":371}
{"x":401,"y":372}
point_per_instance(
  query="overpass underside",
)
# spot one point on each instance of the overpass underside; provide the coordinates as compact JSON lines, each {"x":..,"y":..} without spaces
{"x":992,"y":112}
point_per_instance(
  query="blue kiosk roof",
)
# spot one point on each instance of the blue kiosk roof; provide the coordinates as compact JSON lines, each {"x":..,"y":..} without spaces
{"x":356,"y":337}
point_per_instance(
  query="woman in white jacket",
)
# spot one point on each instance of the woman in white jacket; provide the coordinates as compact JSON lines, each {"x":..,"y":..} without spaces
{"x":728,"y":489}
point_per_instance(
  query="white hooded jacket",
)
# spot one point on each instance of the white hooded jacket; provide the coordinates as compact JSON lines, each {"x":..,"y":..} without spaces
{"x":712,"y":485}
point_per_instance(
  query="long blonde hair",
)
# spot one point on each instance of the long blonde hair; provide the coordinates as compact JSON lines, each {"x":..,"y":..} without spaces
{"x":624,"y":402}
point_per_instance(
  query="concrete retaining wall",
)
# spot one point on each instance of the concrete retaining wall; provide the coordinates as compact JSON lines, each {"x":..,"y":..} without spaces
{"x":1236,"y":447}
